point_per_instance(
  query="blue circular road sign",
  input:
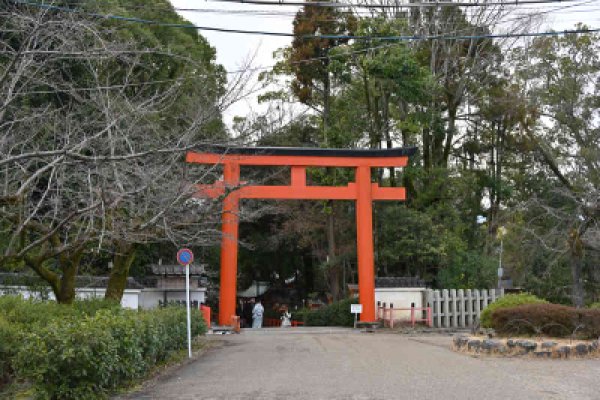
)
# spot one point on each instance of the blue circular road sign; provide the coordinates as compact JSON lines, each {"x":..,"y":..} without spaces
{"x":185,"y":256}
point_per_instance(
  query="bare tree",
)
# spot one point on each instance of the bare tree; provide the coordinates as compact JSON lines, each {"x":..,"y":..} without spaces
{"x":94,"y":131}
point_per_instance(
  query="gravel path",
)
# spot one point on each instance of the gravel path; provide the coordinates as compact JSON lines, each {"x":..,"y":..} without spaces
{"x":312,"y":364}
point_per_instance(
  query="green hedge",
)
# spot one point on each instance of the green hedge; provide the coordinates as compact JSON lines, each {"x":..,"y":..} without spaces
{"x":547,"y":319}
{"x":335,"y":314}
{"x":508,"y":301}
{"x":8,"y":344}
{"x":32,"y":313}
{"x":87,"y":350}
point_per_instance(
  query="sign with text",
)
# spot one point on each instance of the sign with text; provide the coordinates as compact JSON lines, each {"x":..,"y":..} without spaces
{"x":356,"y":308}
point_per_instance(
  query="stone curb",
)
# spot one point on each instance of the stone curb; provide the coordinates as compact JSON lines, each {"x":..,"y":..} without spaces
{"x":525,"y":347}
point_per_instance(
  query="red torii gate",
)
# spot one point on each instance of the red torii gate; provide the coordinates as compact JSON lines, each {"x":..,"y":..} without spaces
{"x":363,"y":191}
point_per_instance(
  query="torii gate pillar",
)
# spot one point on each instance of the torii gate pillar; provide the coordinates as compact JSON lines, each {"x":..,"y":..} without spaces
{"x":362,"y":191}
{"x":229,"y":245}
{"x":364,"y":244}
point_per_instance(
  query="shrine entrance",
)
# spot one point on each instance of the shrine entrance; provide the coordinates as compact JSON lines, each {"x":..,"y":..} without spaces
{"x":363,"y":191}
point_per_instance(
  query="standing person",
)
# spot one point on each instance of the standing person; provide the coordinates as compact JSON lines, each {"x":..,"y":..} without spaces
{"x":247,"y":312}
{"x":286,"y":318}
{"x":257,"y":314}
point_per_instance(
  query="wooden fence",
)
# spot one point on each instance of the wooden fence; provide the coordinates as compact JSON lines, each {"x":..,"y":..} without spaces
{"x":388,"y":315}
{"x":460,"y":308}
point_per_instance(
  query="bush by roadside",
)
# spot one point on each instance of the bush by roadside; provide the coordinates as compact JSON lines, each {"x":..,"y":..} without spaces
{"x":547,"y":319}
{"x":8,"y":344}
{"x":335,"y":314}
{"x":89,"y":349}
{"x":508,"y":301}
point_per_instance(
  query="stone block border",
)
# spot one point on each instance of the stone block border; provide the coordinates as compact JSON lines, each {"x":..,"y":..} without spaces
{"x":528,"y":347}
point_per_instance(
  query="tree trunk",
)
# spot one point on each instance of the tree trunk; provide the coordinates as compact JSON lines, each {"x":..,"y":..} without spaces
{"x":576,"y":261}
{"x":117,"y":280}
{"x":66,"y":291}
{"x":450,"y":134}
{"x":333,"y":270}
{"x":326,"y":107}
{"x":426,"y":149}
{"x":369,"y":107}
{"x":62,"y":283}
{"x":69,"y":267}
{"x":386,"y":132}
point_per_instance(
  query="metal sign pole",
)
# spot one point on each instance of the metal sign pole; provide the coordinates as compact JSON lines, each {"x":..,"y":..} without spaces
{"x":185,"y":258}
{"x":189,"y":319}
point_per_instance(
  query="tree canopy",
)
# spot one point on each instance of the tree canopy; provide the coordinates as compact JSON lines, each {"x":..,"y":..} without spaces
{"x":96,"y":114}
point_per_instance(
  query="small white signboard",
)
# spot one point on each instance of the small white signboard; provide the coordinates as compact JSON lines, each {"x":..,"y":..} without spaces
{"x":356,"y":308}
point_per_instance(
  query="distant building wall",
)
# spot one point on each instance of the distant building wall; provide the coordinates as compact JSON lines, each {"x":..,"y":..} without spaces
{"x":132,"y":298}
{"x":400,"y":298}
{"x":151,"y":297}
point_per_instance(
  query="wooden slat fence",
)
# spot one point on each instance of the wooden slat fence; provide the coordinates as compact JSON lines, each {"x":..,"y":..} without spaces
{"x":460,"y":308}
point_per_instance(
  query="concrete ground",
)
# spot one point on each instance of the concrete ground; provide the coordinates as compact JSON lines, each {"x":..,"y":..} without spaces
{"x":312,"y":364}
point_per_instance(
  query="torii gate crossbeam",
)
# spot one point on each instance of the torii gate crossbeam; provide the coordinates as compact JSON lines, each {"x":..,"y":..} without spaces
{"x":363,"y":191}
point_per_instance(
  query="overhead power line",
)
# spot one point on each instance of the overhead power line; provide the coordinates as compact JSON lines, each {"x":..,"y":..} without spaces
{"x":401,"y":5}
{"x":312,"y":36}
{"x":292,"y":13}
{"x":277,"y":11}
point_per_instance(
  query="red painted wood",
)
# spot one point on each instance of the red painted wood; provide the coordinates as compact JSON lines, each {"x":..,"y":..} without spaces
{"x":363,"y":191}
{"x":298,"y":176}
{"x":229,"y":246}
{"x":364,"y":242}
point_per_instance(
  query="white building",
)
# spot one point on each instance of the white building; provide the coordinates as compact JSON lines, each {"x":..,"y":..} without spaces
{"x":167,"y":286}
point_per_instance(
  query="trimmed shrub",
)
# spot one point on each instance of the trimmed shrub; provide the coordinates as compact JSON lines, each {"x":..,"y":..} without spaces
{"x":8,"y":345}
{"x":547,"y":319}
{"x":595,"y":306}
{"x":73,"y":360}
{"x":32,"y":313}
{"x":508,"y":301}
{"x":589,"y":323}
{"x":87,"y":350}
{"x":335,"y":314}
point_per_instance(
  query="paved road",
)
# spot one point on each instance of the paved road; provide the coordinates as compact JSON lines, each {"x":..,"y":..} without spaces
{"x":337,"y":364}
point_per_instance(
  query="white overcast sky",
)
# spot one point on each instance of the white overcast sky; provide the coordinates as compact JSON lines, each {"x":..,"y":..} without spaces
{"x":234,"y":49}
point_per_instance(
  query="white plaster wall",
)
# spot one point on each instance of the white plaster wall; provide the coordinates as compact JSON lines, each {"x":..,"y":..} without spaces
{"x":151,"y":297}
{"x":130,"y":296}
{"x":400,"y":298}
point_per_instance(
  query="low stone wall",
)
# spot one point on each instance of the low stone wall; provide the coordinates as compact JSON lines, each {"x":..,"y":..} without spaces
{"x":558,"y":348}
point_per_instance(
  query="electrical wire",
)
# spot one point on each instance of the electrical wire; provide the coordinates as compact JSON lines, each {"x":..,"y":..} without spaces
{"x":434,"y":4}
{"x":279,"y":13}
{"x":311,"y":36}
{"x":495,"y":23}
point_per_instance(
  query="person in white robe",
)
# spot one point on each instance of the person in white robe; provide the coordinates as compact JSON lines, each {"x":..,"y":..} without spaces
{"x":257,"y":315}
